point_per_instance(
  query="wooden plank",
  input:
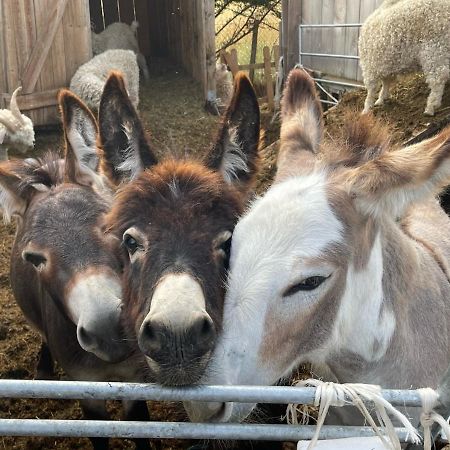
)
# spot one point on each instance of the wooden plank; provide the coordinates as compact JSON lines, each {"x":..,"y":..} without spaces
{"x":3,"y":84}
{"x":127,"y":11}
{"x":351,"y":38}
{"x":268,"y":77}
{"x":111,"y":11}
{"x":147,"y":22}
{"x":340,"y":35}
{"x":11,"y":67}
{"x":210,"y":50}
{"x":95,"y":8}
{"x":328,"y":65}
{"x":42,"y":47}
{"x":34,"y":101}
{"x":294,"y":20}
{"x":253,"y":49}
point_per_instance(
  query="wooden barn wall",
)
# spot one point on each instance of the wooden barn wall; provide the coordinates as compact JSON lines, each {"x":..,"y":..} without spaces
{"x":24,"y":24}
{"x":337,"y":40}
{"x":167,"y":28}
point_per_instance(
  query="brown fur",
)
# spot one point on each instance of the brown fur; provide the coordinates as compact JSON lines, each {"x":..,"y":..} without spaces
{"x":178,"y":208}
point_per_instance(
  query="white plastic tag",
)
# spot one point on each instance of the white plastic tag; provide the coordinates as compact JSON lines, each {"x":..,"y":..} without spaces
{"x":357,"y":443}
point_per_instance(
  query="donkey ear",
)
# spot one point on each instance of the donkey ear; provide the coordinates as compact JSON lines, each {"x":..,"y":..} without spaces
{"x":80,"y":132}
{"x":14,"y":194}
{"x":391,"y":182}
{"x":235,"y":152}
{"x":301,"y":125}
{"x":125,"y":148}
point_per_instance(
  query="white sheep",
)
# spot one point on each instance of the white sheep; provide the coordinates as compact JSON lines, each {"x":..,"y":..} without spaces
{"x":121,"y":36}
{"x":403,"y":36}
{"x":16,"y":129}
{"x":224,"y":84}
{"x":90,"y":78}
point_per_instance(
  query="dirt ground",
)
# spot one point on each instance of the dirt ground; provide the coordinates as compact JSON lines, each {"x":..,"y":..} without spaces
{"x":172,"y":110}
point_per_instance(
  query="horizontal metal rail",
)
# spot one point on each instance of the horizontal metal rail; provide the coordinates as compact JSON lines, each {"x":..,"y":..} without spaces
{"x":179,"y":430}
{"x":329,"y":55}
{"x":337,"y":83}
{"x":139,"y":391}
{"x":330,"y":25}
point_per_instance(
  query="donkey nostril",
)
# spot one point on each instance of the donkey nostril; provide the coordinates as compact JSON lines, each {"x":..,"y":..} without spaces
{"x":203,"y":332}
{"x":206,"y":328}
{"x":152,"y":337}
{"x":84,"y":338}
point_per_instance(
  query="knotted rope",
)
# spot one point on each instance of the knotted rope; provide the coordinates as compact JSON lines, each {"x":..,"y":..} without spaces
{"x":333,"y":394}
{"x":430,"y":399}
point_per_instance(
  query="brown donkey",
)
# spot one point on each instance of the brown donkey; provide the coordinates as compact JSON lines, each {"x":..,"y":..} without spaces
{"x":65,"y":272}
{"x":175,"y":220}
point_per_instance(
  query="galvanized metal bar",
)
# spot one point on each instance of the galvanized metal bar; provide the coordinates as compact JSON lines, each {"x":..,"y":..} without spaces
{"x":140,"y":391}
{"x":330,"y":25}
{"x":330,"y":55}
{"x":178,"y":430}
{"x":338,"y":83}
{"x":328,"y":102}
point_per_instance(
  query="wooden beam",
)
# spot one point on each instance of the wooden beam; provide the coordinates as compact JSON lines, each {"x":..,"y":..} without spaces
{"x":294,"y":8}
{"x":42,"y":47}
{"x":210,"y":56}
{"x":268,"y":77}
{"x":33,"y":101}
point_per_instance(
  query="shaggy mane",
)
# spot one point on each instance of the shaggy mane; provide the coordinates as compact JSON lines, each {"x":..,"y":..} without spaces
{"x":362,"y":139}
{"x":44,"y":171}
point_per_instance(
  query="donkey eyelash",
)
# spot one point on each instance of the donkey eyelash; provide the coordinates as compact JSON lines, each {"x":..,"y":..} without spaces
{"x":306,"y":285}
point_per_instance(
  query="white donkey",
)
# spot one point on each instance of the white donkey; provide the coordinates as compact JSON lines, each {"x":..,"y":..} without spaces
{"x":344,"y":263}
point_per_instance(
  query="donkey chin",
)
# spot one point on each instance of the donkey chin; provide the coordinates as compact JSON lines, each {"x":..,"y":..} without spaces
{"x":178,"y":373}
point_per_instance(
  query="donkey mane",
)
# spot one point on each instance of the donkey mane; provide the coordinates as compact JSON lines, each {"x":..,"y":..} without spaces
{"x":363,"y":138}
{"x":45,"y":171}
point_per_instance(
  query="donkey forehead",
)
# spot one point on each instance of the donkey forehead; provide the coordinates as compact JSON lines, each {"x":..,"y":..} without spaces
{"x":294,"y":219}
{"x":65,"y":209}
{"x":174,"y":193}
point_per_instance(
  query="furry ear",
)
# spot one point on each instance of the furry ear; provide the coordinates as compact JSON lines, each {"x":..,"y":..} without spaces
{"x":235,"y":153}
{"x":80,"y":132}
{"x":301,"y":125}
{"x":126,"y":151}
{"x":14,"y":194}
{"x":394,"y":180}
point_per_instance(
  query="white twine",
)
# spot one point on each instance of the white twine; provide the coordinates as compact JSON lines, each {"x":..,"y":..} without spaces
{"x":334,"y":394}
{"x":430,"y":399}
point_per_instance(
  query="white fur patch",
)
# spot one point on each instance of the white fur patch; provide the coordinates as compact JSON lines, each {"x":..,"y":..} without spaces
{"x":131,"y":166}
{"x":84,"y":146}
{"x":234,"y":158}
{"x":364,"y":325}
{"x":177,"y":295}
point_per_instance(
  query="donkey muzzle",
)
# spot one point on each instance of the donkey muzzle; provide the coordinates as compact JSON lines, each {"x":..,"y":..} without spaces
{"x":177,"y":335}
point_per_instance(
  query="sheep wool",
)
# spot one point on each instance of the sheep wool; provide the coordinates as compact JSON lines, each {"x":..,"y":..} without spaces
{"x":119,"y":35}
{"x":90,"y":78}
{"x":404,"y":36}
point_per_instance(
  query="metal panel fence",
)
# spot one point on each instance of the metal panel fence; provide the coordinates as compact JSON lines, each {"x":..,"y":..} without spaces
{"x":133,"y":391}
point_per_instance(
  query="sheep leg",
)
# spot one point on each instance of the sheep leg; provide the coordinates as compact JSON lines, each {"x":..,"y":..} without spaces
{"x":142,"y":63}
{"x":371,"y":95}
{"x":384,"y":93}
{"x":437,"y":74}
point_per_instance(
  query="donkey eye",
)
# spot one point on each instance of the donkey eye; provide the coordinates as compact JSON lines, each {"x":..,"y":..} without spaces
{"x":224,"y":247}
{"x":308,"y":284}
{"x":130,"y":243}
{"x":36,"y":259}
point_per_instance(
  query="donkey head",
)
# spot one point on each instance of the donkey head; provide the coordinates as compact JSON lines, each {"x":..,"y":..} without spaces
{"x":306,"y":268}
{"x":60,"y":245}
{"x":175,"y":220}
